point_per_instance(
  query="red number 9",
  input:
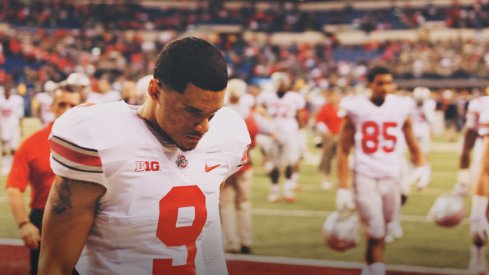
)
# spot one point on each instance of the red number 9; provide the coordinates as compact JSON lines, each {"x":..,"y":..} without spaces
{"x":171,"y":235}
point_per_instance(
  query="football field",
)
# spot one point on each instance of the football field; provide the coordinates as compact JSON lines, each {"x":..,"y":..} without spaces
{"x":293,"y":230}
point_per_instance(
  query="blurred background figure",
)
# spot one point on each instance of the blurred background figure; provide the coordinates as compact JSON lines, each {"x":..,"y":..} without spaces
{"x":235,"y":203}
{"x":283,"y":106}
{"x":41,"y":103}
{"x":31,"y":168}
{"x":11,"y":114}
{"x":328,"y":123}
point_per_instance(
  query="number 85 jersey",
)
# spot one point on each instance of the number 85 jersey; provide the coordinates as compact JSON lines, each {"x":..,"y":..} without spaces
{"x":160,"y":212}
{"x":378,"y":131}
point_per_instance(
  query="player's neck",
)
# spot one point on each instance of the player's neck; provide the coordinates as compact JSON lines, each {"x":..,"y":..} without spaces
{"x":377,"y":101}
{"x":146,"y":113}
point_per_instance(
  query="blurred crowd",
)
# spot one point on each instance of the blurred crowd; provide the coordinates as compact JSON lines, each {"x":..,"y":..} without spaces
{"x":278,"y":17}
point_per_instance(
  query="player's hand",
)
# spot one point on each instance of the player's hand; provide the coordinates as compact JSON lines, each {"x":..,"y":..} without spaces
{"x":462,"y":186}
{"x":422,"y":176}
{"x":29,"y":233}
{"x":344,"y":199}
{"x":479,"y":229}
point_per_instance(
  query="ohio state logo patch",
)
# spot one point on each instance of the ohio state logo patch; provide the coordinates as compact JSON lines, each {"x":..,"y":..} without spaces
{"x":182,"y":161}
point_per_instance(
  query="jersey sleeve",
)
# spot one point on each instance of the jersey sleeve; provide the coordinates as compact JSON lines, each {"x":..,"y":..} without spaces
{"x":472,"y":116}
{"x":234,"y":138}
{"x":74,"y":153}
{"x":484,"y":123}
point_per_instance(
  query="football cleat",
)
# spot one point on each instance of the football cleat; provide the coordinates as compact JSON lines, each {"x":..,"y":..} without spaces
{"x":448,"y":210}
{"x":340,"y":230}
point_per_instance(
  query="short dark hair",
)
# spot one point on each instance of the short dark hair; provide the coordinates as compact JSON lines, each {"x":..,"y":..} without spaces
{"x":191,"y":60}
{"x":374,"y":71}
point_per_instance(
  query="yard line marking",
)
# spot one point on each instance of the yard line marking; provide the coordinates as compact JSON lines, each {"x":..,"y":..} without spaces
{"x":15,"y":242}
{"x":343,"y":264}
{"x":324,"y":214}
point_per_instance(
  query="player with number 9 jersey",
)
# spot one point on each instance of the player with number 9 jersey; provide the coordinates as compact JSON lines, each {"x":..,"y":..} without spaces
{"x":160,"y":202}
{"x":137,"y":187}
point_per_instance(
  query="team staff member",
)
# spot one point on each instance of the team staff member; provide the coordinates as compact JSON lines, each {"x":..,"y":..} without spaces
{"x":31,"y":168}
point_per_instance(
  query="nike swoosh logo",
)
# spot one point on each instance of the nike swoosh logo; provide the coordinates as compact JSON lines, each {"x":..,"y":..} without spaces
{"x":210,"y":168}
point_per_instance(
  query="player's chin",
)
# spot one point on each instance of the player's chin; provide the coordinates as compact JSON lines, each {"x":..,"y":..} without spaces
{"x":189,"y":143}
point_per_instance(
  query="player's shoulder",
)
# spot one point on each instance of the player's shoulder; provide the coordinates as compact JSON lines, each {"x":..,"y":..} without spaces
{"x":226,"y":128}
{"x":227,"y":120}
{"x":90,"y":117}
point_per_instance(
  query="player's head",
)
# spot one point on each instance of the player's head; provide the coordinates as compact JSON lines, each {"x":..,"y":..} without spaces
{"x":421,"y":94}
{"x":63,"y":100}
{"x":235,"y":90}
{"x":486,"y":90}
{"x":281,"y":82}
{"x":77,"y":82}
{"x":187,"y":89}
{"x":381,"y":82}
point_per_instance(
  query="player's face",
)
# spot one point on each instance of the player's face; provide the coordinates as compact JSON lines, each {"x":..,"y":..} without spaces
{"x":185,"y":117}
{"x":382,"y":85}
{"x":63,"y":102}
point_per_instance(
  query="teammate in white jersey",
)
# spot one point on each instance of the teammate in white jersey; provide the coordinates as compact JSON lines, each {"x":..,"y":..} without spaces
{"x":42,"y":103}
{"x":373,"y":126}
{"x":11,"y":114}
{"x":139,"y":186}
{"x":423,"y":117}
{"x":479,"y":227}
{"x":468,"y":172}
{"x":283,"y":106}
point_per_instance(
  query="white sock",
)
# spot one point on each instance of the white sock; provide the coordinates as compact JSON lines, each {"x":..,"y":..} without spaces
{"x":377,"y":269}
{"x":295,"y":177}
{"x":477,"y":252}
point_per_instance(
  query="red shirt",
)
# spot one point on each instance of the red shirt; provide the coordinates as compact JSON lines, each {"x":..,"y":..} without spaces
{"x":31,"y":166}
{"x":253,"y":131}
{"x":328,"y":114}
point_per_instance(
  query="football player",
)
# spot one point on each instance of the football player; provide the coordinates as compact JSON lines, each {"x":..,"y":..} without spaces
{"x":373,"y":126}
{"x":138,"y":186}
{"x":11,"y":115}
{"x":283,"y":107}
{"x":468,"y":172}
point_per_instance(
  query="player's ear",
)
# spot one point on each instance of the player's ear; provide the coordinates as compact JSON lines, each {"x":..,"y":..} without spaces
{"x":153,"y":89}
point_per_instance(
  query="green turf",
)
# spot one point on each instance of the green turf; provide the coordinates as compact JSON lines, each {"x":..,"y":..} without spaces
{"x":300,"y":236}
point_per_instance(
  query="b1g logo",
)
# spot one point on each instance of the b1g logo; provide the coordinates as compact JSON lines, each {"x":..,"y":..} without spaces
{"x":142,"y":166}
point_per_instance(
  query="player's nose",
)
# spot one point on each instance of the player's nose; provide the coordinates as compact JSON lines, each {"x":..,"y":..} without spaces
{"x":202,"y":126}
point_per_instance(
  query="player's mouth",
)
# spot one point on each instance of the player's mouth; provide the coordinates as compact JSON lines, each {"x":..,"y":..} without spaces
{"x":194,"y":137}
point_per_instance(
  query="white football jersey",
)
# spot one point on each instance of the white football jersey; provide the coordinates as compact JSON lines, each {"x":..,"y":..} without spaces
{"x":11,"y":110}
{"x":484,"y":123}
{"x":95,"y":97}
{"x":45,"y":101}
{"x":378,"y":133}
{"x":284,"y":110}
{"x":475,"y":108}
{"x":160,"y":213}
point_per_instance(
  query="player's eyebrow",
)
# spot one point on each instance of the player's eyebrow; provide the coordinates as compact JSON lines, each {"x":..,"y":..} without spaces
{"x":197,"y":110}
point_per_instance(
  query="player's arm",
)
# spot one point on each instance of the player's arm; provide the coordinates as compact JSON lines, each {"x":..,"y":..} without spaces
{"x":422,"y":172}
{"x":68,"y":217}
{"x":346,"y":135}
{"x":212,"y":251}
{"x":470,"y":136}
{"x":417,"y":156}
{"x":482,"y":184}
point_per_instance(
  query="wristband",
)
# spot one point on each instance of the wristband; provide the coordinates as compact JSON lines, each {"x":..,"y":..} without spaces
{"x":23,"y":223}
